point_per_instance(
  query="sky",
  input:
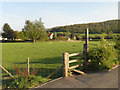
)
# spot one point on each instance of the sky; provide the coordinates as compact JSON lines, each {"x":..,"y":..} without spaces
{"x":56,"y":13}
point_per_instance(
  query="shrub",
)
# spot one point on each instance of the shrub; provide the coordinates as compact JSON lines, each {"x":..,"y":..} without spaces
{"x":103,"y":57}
{"x":117,"y":42}
{"x":21,"y":82}
{"x":79,"y":37}
{"x":97,"y":37}
{"x":23,"y":79}
{"x":103,"y":36}
{"x":62,"y":38}
{"x":117,"y":45}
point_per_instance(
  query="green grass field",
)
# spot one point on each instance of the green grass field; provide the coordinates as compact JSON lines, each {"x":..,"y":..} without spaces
{"x":93,"y":35}
{"x":43,"y":55}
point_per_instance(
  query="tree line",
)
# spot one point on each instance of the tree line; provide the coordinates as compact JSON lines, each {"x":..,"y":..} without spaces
{"x":35,"y":30}
{"x":32,"y":31}
{"x":94,"y":28}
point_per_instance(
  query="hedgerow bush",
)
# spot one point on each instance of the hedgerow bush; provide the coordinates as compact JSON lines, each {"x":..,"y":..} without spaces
{"x":117,"y":42}
{"x":117,"y":45}
{"x":62,"y":38}
{"x":104,"y":57}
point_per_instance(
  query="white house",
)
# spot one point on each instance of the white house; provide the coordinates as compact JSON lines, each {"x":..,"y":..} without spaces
{"x":50,"y":35}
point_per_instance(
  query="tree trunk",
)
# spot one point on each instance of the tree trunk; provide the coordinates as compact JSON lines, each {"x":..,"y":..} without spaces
{"x":34,"y":40}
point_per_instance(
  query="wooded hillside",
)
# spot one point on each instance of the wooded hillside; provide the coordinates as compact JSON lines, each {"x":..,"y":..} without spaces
{"x":99,"y":27}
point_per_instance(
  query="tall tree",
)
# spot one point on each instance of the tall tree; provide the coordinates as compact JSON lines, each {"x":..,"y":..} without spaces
{"x":7,"y":32}
{"x":21,"y":35}
{"x":35,"y":30}
{"x":15,"y":34}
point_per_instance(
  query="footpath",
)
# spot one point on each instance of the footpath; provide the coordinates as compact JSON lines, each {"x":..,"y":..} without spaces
{"x":104,"y":79}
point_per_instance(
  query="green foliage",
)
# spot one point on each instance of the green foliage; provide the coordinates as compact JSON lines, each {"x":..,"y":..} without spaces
{"x":117,"y":42}
{"x":117,"y":45}
{"x":79,"y":37}
{"x":110,"y":34}
{"x":15,"y":34}
{"x":70,"y":73}
{"x":55,"y":35}
{"x":67,"y":34}
{"x":100,"y":27}
{"x":60,"y":33}
{"x":21,"y":35}
{"x":103,"y":37}
{"x":62,"y":38}
{"x":103,"y":57}
{"x":7,"y":32}
{"x":21,"y":82}
{"x":34,"y":30}
{"x":72,"y":35}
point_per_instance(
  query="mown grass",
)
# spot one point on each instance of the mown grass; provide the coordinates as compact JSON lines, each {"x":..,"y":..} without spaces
{"x":47,"y":56}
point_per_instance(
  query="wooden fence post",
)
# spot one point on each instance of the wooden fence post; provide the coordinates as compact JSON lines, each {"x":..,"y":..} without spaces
{"x":87,"y":39}
{"x":28,"y":71}
{"x":86,"y":48}
{"x":65,"y":64}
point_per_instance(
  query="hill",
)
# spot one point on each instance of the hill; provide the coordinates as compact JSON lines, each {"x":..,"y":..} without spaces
{"x":99,"y":27}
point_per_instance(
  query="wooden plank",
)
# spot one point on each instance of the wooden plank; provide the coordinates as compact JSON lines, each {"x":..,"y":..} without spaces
{"x":72,"y":67}
{"x":87,"y":39}
{"x":75,"y":60}
{"x":65,"y":63}
{"x":78,"y":71}
{"x":6,"y":71}
{"x":55,"y":71}
{"x":75,"y":54}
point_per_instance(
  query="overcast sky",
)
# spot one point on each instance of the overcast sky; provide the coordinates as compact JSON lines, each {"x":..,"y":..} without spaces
{"x":56,"y":13}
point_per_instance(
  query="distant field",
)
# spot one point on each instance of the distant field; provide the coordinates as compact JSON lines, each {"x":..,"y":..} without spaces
{"x":42,"y":54}
{"x":93,"y":35}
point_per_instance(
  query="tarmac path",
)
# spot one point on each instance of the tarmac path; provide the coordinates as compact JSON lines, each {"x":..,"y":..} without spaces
{"x":104,"y":79}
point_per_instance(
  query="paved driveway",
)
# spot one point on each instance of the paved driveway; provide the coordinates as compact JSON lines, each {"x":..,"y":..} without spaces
{"x":91,"y":80}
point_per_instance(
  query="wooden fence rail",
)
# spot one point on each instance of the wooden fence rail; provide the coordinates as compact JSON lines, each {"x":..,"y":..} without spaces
{"x":74,"y":54}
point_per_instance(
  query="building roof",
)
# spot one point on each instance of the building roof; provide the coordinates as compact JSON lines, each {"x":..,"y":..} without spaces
{"x":50,"y":34}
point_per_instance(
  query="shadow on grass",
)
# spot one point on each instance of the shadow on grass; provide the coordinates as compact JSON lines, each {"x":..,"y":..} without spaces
{"x":55,"y":60}
{"x":45,"y":66}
